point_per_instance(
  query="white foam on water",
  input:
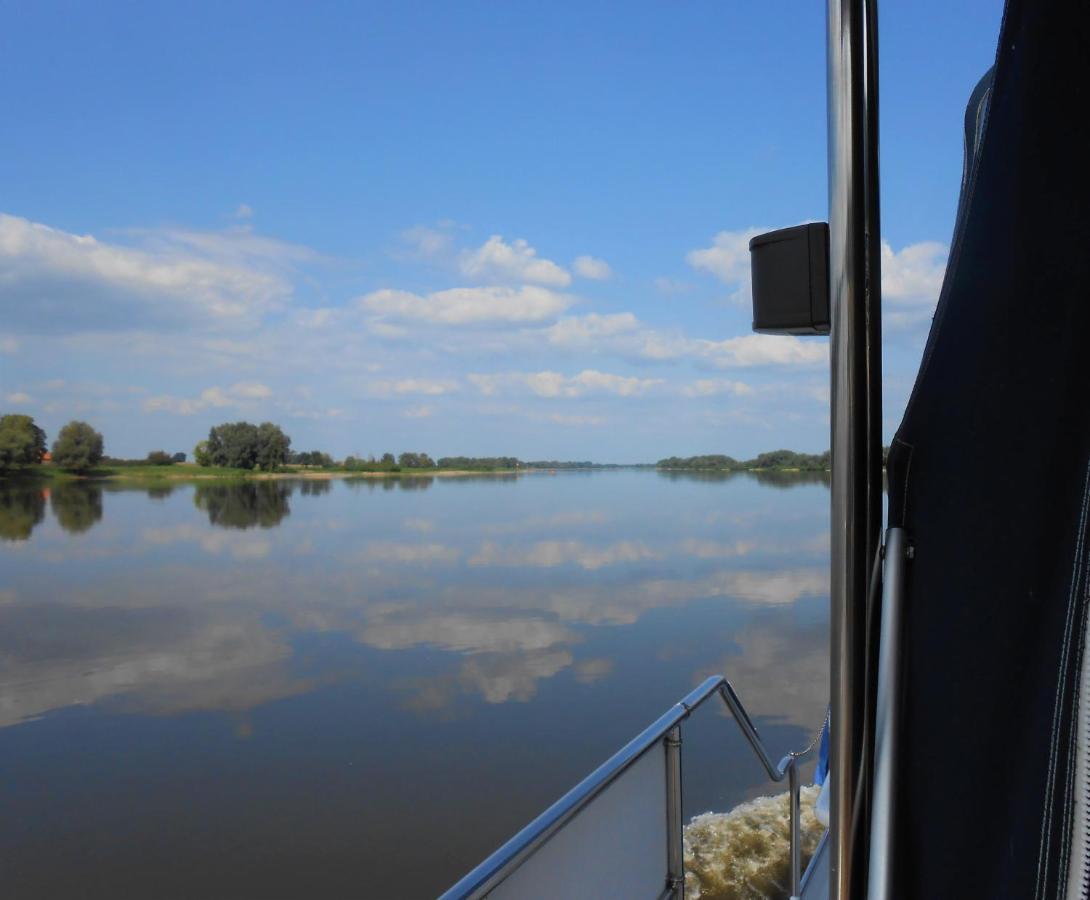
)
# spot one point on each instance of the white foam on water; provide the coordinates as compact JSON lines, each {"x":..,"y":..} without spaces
{"x":745,"y":854}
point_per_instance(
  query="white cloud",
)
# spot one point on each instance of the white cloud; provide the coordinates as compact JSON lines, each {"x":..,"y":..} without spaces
{"x":203,"y":662}
{"x":591,"y":670}
{"x":52,"y":281}
{"x":239,"y":545}
{"x":251,"y":390}
{"x":8,"y":344}
{"x":554,"y":384}
{"x":387,"y":330}
{"x":418,"y":412}
{"x":624,"y":335}
{"x":671,"y":286}
{"x":728,"y":260}
{"x":407,"y":553}
{"x":244,"y":211}
{"x":212,"y":397}
{"x":592,"y":268}
{"x":469,"y":306}
{"x":913,"y":274}
{"x":778,"y":587}
{"x":562,"y":521}
{"x":763,"y":350}
{"x":576,"y":420}
{"x":706,"y":549}
{"x":402,"y":386}
{"x":712,"y":387}
{"x":500,"y":679}
{"x":579,"y":330}
{"x":239,"y":245}
{"x":19,"y":397}
{"x":549,"y":554}
{"x":467,"y":632}
{"x":911,"y":281}
{"x":427,"y":243}
{"x":911,"y":277}
{"x":516,"y":262}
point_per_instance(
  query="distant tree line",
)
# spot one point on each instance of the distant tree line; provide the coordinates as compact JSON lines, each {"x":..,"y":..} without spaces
{"x":772,"y":459}
{"x":162,"y":458}
{"x":560,"y":464}
{"x":388,"y":463}
{"x":473,"y":463}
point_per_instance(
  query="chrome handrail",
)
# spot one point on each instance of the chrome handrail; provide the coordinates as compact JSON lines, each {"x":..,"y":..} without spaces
{"x":496,"y":867}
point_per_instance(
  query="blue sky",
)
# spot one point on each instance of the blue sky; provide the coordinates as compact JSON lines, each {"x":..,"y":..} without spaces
{"x":463,"y":228}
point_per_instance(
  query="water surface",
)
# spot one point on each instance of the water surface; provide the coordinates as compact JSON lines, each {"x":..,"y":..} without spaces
{"x":359,"y":688}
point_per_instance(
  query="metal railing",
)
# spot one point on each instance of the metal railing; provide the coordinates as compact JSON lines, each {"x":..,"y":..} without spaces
{"x":504,"y":861}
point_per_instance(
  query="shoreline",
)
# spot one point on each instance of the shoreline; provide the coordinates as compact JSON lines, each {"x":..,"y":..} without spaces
{"x":181,"y":472}
{"x":144,"y":475}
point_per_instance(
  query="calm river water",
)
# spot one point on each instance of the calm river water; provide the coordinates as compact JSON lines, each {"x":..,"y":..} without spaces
{"x":360,"y":688}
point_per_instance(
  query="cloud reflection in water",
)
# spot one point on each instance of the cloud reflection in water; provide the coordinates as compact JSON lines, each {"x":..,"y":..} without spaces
{"x":174,"y":633}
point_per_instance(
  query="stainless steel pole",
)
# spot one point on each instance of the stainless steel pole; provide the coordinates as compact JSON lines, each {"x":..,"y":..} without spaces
{"x":855,"y":345}
{"x":795,"y":814}
{"x":880,"y":883}
{"x":675,"y":851}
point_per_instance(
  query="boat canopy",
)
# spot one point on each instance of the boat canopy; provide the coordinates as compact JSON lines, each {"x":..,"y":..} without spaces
{"x":989,"y":476}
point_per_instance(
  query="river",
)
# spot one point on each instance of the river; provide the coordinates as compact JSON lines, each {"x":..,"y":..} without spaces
{"x":358,"y":688}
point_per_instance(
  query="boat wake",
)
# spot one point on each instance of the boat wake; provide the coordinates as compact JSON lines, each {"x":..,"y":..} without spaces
{"x":745,"y":854}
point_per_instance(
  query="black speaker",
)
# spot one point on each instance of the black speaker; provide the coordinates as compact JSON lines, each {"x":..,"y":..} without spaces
{"x":790,"y":272}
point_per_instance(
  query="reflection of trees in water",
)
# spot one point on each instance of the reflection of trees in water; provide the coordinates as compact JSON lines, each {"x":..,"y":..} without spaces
{"x":21,"y":508}
{"x":391,"y":483}
{"x":415,"y":483}
{"x":315,"y":487}
{"x":782,"y":479}
{"x":77,"y":505}
{"x":697,"y":475}
{"x":485,"y":476}
{"x":156,"y":490}
{"x":258,"y":503}
{"x":776,"y":478}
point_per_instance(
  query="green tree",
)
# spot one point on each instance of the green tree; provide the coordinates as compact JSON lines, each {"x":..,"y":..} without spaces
{"x":478,"y":462}
{"x":415,"y":461}
{"x":234,"y":445}
{"x":160,"y":458}
{"x":310,"y":458}
{"x":78,"y":447}
{"x":201,"y":454}
{"x":388,"y":459}
{"x":22,"y":443}
{"x":273,"y":447}
{"x":243,"y":445}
